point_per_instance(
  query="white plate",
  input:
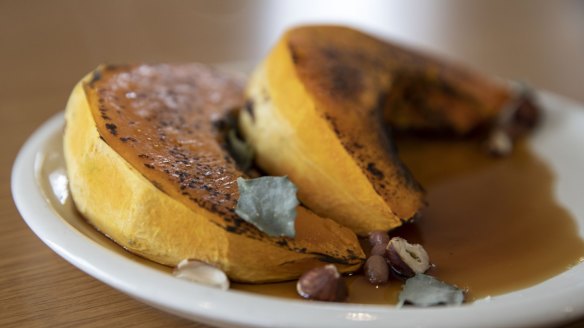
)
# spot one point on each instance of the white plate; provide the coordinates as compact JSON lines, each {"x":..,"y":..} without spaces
{"x":39,"y":189}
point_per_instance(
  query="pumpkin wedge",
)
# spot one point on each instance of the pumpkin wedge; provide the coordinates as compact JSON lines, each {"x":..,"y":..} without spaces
{"x":320,"y":107}
{"x":147,"y":168}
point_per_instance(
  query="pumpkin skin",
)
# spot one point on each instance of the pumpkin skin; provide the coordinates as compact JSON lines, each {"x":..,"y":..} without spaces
{"x":321,"y":106}
{"x":147,"y":168}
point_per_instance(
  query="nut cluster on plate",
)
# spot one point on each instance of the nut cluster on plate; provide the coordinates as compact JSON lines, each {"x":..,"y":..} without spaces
{"x":395,"y":257}
{"x":388,"y":257}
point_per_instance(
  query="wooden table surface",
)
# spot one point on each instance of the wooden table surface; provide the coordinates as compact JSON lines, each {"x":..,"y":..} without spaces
{"x":46,"y":46}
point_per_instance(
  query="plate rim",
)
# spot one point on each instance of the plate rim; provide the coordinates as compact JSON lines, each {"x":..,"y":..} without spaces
{"x":242,"y":309}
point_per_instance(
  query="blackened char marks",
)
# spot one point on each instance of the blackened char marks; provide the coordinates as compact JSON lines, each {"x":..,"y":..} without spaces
{"x":112,"y":128}
{"x":294,"y":54}
{"x":332,"y":121}
{"x":158,"y":185}
{"x":374,"y":170}
{"x":236,"y":225}
{"x":126,"y":139}
{"x":95,"y":77}
{"x":115,"y":67}
{"x":282,"y":242}
{"x":335,"y":260}
{"x":406,"y":176}
{"x":103,"y":109}
{"x":346,"y":81}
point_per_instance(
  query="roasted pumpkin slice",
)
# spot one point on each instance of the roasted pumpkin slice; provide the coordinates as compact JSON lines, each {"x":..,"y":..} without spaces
{"x":147,"y":168}
{"x":320,"y":107}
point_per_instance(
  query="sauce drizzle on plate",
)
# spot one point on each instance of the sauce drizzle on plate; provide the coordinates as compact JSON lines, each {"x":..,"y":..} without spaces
{"x":492,"y":225}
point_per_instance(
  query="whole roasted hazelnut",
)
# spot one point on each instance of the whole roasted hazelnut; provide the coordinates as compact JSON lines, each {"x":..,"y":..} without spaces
{"x":378,"y":238}
{"x":322,"y":284}
{"x":519,"y":116}
{"x":376,"y":270}
{"x":378,"y":249}
{"x":406,"y":259}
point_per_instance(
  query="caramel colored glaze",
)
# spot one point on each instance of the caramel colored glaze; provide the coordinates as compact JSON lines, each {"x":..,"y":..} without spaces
{"x":343,"y":66}
{"x":165,"y":120}
{"x":159,"y":118}
{"x":360,"y":290}
{"x":492,"y":225}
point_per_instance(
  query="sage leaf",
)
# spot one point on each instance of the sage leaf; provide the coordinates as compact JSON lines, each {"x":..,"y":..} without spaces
{"x":269,"y":203}
{"x":424,"y":290}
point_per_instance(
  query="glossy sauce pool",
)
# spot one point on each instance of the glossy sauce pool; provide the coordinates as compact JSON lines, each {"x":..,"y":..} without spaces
{"x":492,"y":225}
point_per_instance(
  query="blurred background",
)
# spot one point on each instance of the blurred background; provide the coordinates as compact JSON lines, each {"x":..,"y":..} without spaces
{"x":47,"y":46}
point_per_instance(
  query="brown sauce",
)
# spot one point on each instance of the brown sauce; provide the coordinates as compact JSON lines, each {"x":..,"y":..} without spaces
{"x":492,"y":225}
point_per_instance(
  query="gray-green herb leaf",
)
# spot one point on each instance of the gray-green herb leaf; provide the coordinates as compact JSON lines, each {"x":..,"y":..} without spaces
{"x":425,"y":290}
{"x":269,"y":203}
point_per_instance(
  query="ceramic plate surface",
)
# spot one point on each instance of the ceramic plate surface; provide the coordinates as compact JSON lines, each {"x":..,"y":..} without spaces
{"x":39,"y":186}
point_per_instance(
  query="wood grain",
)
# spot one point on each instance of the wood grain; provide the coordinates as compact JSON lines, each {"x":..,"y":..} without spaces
{"x":46,"y":46}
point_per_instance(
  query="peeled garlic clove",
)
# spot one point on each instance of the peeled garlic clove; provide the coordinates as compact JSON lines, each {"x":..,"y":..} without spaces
{"x":202,"y":273}
{"x":500,"y":143}
{"x":376,"y":270}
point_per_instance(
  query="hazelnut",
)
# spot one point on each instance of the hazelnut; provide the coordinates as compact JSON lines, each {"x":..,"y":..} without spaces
{"x":378,"y":238}
{"x":406,"y":259}
{"x":376,"y":270}
{"x":378,"y":249}
{"x":322,"y":284}
{"x":519,"y":116}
